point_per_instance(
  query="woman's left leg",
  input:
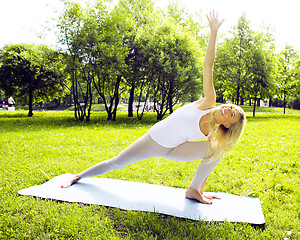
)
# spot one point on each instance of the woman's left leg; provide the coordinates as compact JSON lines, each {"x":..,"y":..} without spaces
{"x":191,"y":151}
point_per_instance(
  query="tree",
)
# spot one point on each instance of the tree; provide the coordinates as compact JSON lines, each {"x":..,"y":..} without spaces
{"x":71,"y":35}
{"x":191,"y":23}
{"x":244,"y":65}
{"x":287,"y":74}
{"x":94,"y":38}
{"x":232,"y":62}
{"x":149,"y":74}
{"x":140,"y":15}
{"x":32,"y":73}
{"x":173,"y":66}
{"x":109,"y":53}
{"x":260,"y":68}
{"x":141,"y":84}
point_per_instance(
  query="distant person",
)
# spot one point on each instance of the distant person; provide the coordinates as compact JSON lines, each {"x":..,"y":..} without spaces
{"x":136,"y":104}
{"x":10,"y":101}
{"x":170,"y":138}
{"x":147,"y":107}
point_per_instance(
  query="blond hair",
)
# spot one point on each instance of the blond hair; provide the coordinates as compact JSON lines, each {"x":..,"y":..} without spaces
{"x":223,"y":139}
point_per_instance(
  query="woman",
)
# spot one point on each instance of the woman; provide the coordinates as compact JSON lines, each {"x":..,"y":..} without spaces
{"x":171,"y":137}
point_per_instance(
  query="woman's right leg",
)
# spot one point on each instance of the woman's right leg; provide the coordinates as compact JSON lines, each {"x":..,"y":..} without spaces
{"x":143,"y":148}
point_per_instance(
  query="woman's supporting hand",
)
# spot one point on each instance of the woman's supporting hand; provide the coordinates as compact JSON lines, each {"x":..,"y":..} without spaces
{"x":71,"y":181}
{"x":214,"y":22}
{"x":196,"y":195}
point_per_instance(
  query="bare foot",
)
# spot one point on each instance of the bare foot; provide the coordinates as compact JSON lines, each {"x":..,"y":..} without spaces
{"x":71,"y":181}
{"x":196,"y":195}
{"x":209,"y":196}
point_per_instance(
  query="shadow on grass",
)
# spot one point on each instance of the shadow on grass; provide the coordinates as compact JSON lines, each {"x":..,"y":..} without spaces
{"x":159,"y":225}
{"x":262,"y":117}
{"x":19,"y":121}
{"x":15,"y":115}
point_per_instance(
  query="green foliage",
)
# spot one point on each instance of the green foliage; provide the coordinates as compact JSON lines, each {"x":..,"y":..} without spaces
{"x":132,"y":49}
{"x":294,"y":103}
{"x":231,"y":68}
{"x":131,"y":46}
{"x":287,"y":78}
{"x":260,"y":69}
{"x":264,"y":164}
{"x":244,"y":64}
{"x":173,"y":69}
{"x":32,"y":73}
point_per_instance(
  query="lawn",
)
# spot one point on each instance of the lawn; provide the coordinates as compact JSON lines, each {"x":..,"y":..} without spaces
{"x":264,"y":164}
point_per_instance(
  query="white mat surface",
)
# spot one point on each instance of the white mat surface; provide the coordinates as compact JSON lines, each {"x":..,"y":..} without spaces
{"x":129,"y":195}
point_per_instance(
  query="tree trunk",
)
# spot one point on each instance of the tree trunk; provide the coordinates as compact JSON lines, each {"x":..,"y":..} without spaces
{"x":159,"y":117}
{"x":242,"y":101}
{"x":116,"y":107}
{"x":109,"y":116}
{"x":238,"y":95}
{"x":30,"y":102}
{"x":140,"y":116}
{"x":130,"y":101}
{"x":284,"y":92}
{"x":254,"y":105}
{"x":258,"y":102}
{"x":221,"y":98}
{"x":88,"y":117}
{"x":116,"y":96}
{"x":170,"y":101}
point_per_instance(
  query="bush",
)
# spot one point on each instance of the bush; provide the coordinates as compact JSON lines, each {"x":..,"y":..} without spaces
{"x":294,"y":103}
{"x":277,"y":102}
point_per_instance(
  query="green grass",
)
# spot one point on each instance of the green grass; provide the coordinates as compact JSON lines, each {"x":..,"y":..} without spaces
{"x":264,"y":164}
{"x":124,"y":107}
{"x":268,"y":109}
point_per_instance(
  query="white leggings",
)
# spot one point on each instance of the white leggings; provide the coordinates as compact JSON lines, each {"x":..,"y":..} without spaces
{"x":145,"y":147}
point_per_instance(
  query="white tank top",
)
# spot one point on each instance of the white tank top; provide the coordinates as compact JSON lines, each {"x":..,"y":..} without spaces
{"x":181,"y":126}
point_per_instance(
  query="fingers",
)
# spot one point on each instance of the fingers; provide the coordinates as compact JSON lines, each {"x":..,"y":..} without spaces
{"x":66,"y":185}
{"x":207,"y":17}
{"x":214,"y":22}
{"x":70,"y":182}
{"x":213,"y":14}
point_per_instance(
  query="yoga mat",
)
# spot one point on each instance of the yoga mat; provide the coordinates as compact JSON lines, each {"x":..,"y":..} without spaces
{"x":129,"y":195}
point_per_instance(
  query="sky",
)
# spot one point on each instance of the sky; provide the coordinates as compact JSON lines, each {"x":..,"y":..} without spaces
{"x":32,"y":21}
{"x":25,"y":21}
{"x":282,"y":16}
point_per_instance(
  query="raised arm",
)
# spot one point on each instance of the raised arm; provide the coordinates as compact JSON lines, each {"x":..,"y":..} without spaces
{"x":208,"y":85}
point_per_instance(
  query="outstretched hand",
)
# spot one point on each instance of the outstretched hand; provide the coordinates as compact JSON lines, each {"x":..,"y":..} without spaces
{"x":74,"y":179}
{"x":214,"y":22}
